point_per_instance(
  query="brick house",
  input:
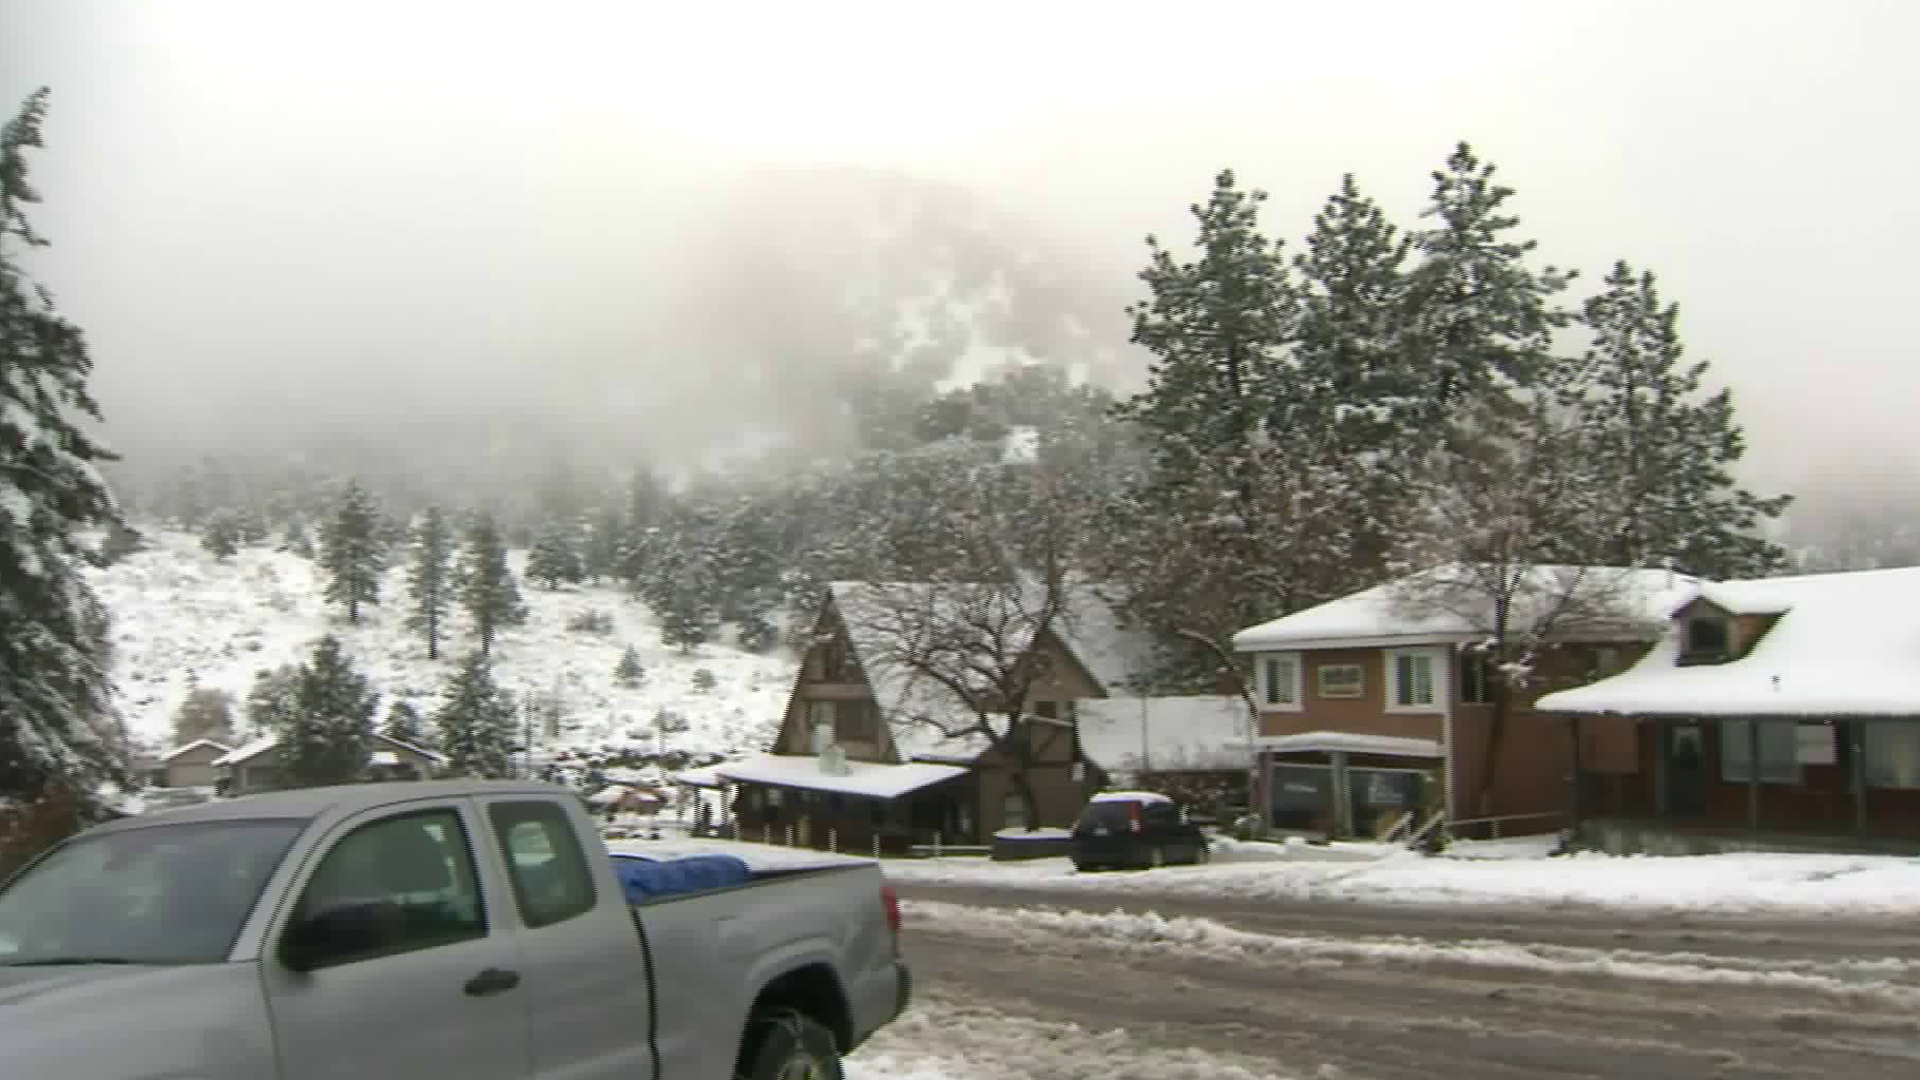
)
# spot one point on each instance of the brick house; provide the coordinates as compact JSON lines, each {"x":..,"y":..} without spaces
{"x":1377,"y":708}
{"x":1815,"y":678}
{"x":871,"y":749}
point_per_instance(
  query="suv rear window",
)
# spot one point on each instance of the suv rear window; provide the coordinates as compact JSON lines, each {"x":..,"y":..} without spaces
{"x":1110,"y":814}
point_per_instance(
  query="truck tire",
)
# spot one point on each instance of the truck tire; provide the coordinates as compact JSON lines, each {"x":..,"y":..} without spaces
{"x":788,"y":1045}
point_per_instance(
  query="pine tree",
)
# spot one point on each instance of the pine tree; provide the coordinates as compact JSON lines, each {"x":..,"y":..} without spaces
{"x":60,"y":739}
{"x":352,"y":553}
{"x":405,"y":724}
{"x":476,"y":722}
{"x":121,"y":541}
{"x":430,"y":579}
{"x":206,"y":713}
{"x":601,"y":560}
{"x":647,"y":504}
{"x":704,"y":681}
{"x":629,"y":671}
{"x":1668,"y":449}
{"x":1221,"y":330}
{"x":486,"y":587}
{"x":329,"y":737}
{"x":273,"y":701}
{"x":297,"y":542}
{"x":220,"y":536}
{"x":1479,"y":322}
{"x":555,"y":559}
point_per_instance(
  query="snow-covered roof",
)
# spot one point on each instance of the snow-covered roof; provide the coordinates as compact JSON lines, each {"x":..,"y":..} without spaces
{"x":614,"y":793}
{"x":1845,"y":644}
{"x":195,"y":745}
{"x":1165,"y":734}
{"x":265,"y":743}
{"x":1455,"y":604}
{"x":862,"y":777}
{"x":925,"y":721}
{"x":1130,"y":796}
{"x":704,"y":776}
{"x":1347,"y":742}
{"x":246,"y":752}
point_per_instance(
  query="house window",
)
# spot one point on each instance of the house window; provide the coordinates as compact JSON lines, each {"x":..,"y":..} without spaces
{"x":1013,"y":811}
{"x":1476,"y":678}
{"x":1779,"y":751}
{"x":1412,"y":681}
{"x":858,"y":722}
{"x":1340,"y":680}
{"x":1706,"y":639}
{"x":1280,"y":681}
{"x":1893,"y":754}
{"x":1047,"y":710}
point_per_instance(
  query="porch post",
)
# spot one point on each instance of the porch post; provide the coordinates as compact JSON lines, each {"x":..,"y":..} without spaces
{"x":1753,"y":773}
{"x":1857,"y":771}
{"x":1579,"y":771}
{"x":1661,"y":807}
{"x":1342,"y":795}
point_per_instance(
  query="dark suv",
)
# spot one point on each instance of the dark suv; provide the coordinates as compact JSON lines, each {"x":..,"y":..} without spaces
{"x":1135,"y":828}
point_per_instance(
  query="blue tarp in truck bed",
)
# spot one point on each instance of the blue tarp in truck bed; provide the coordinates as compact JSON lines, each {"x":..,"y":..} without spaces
{"x":647,"y":879}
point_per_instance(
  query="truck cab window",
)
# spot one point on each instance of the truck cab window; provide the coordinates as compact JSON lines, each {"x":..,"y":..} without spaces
{"x":396,"y":885}
{"x":551,"y":882}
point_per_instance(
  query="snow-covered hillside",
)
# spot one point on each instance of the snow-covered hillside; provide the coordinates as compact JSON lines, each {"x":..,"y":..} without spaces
{"x":178,"y":613}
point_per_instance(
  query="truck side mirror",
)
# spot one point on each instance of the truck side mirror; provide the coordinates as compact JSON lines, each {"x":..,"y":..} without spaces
{"x":336,"y":934}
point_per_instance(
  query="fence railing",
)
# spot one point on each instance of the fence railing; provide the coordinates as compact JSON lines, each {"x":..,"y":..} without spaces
{"x":1494,"y":824}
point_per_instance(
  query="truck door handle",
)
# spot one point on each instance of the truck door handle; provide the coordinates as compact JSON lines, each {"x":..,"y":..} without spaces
{"x":492,"y":981}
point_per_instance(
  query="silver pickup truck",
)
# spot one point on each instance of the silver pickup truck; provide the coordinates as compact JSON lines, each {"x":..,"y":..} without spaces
{"x":470,"y":929}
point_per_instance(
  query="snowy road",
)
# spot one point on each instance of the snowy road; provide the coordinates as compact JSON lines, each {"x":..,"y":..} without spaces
{"x":1208,"y":987}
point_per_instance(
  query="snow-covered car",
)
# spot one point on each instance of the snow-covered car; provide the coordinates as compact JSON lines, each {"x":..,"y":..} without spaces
{"x":1135,"y":828}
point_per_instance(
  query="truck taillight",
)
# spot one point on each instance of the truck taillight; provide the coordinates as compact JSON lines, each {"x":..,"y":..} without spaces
{"x":1133,"y":816}
{"x":890,"y":902}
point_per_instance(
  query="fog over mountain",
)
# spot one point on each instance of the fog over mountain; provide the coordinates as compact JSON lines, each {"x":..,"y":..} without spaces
{"x":433,"y":239}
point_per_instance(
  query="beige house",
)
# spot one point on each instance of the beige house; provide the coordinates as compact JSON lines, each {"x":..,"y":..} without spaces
{"x":188,"y":766}
{"x":256,"y":766}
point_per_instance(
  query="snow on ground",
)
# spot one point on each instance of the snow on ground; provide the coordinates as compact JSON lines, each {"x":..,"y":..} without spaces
{"x":179,"y":611}
{"x":1847,"y":978}
{"x":951,"y":1039}
{"x":1730,"y":884}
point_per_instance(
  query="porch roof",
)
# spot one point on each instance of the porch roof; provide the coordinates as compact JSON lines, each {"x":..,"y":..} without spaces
{"x":1844,"y":645}
{"x":865,"y":778}
{"x":1349,"y":742}
{"x":704,"y":776}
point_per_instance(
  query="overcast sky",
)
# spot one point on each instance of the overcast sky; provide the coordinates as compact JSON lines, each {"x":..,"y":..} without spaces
{"x":487,"y":182}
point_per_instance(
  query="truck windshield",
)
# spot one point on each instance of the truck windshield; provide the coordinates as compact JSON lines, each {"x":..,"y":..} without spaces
{"x":165,"y":894}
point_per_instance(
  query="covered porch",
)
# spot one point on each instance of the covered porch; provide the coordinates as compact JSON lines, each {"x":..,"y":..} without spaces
{"x":1347,"y":785}
{"x":1716,"y":783}
{"x":855,"y":806}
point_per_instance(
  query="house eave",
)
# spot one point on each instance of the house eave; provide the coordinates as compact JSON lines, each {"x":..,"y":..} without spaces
{"x":1378,"y":641}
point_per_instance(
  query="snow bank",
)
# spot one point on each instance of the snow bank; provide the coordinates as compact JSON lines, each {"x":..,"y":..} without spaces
{"x":1731,"y":884}
{"x":1853,"y":979}
{"x":944,"y":1038}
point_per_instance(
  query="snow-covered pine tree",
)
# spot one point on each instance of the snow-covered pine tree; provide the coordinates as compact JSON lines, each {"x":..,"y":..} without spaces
{"x":601,"y":559}
{"x":1669,"y":446}
{"x":430,"y":581}
{"x":647,"y":503}
{"x":329,"y":737}
{"x":704,"y":681}
{"x":206,"y":713}
{"x":487,"y":590}
{"x":1479,"y":320}
{"x":60,"y":739}
{"x":273,"y":699}
{"x":405,"y":723}
{"x":555,"y":558}
{"x":629,"y":672}
{"x":220,"y":536}
{"x":352,"y":553}
{"x":476,"y":722}
{"x":1220,"y":329}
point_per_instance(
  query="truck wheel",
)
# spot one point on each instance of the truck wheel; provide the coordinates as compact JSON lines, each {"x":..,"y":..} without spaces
{"x":786,"y":1045}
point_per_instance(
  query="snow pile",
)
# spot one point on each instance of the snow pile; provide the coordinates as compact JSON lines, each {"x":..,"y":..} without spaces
{"x":1732,"y":884}
{"x":944,"y":1038}
{"x":1853,"y":979}
{"x":179,"y":612}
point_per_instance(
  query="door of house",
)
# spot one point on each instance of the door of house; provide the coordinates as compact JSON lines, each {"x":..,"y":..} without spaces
{"x":1686,"y":752}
